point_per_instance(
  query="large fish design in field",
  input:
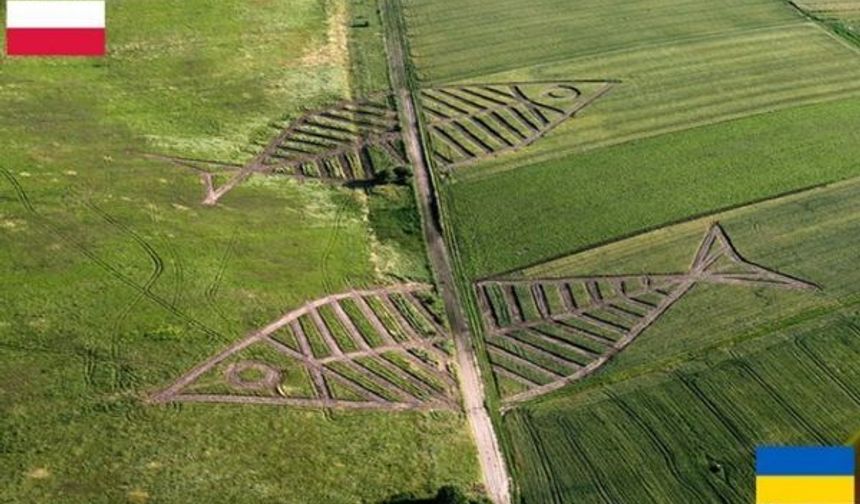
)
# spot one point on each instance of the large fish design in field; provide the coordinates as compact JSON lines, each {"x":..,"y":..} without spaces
{"x":546,"y":333}
{"x":379,"y":349}
{"x":468,"y":123}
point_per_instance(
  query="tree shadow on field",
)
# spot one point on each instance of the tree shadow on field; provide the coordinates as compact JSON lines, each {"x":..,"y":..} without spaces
{"x":445,"y":495}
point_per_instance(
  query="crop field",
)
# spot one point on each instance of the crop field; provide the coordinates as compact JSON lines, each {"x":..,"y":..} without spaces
{"x":220,"y":240}
{"x":461,"y":40}
{"x":847,"y":10}
{"x":701,"y":91}
{"x":121,"y":281}
{"x":687,"y":435}
{"x":680,"y":64}
{"x":471,"y":123}
{"x":639,"y":350}
{"x":698,"y":82}
{"x":335,"y":352}
{"x":724,"y":369}
{"x":620,"y":190}
{"x":546,"y":333}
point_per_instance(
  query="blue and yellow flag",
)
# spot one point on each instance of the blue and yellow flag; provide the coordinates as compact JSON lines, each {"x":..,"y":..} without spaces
{"x":805,"y":475}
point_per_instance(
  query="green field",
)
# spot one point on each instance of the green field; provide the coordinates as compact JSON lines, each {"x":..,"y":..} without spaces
{"x":597,"y":196}
{"x":718,"y":104}
{"x":725,"y":369}
{"x":457,"y":40}
{"x":680,"y":64}
{"x":120,"y":280}
{"x":742,"y":111}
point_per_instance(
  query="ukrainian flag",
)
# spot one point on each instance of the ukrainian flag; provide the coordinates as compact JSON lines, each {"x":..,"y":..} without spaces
{"x":805,"y":475}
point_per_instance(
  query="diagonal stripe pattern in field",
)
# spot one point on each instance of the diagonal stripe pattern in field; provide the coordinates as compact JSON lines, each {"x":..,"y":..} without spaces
{"x":544,"y":334}
{"x":468,"y":123}
{"x":335,"y":143}
{"x":376,"y":349}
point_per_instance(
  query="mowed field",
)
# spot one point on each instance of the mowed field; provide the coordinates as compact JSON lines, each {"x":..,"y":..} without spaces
{"x":117,"y":281}
{"x":680,"y":63}
{"x":727,"y":368}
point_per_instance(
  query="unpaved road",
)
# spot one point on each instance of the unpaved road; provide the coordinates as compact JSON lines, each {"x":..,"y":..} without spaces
{"x":492,"y":462}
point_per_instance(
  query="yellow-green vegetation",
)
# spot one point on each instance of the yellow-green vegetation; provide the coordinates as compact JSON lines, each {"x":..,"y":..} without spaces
{"x":726,"y":369}
{"x":465,"y":39}
{"x":116,"y":280}
{"x":845,"y":10}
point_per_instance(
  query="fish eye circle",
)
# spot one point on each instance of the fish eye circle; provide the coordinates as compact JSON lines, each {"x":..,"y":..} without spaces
{"x":562,"y":92}
{"x":262,"y":376}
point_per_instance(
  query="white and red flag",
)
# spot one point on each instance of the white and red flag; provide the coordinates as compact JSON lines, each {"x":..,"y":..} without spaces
{"x":55,"y":28}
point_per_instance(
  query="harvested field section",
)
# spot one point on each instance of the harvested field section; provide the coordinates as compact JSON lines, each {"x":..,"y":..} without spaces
{"x":691,"y":83}
{"x":458,"y":40}
{"x":343,"y":349}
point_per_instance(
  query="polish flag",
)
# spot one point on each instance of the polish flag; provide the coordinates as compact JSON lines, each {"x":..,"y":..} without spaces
{"x":55,"y":28}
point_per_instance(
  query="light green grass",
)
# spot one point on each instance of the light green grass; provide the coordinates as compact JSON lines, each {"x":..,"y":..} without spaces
{"x":770,"y":366}
{"x":455,"y":40}
{"x":530,"y":215}
{"x":119,"y":281}
{"x":191,"y":80}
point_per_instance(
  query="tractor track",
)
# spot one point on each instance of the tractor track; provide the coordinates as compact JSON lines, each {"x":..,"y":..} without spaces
{"x":747,"y":369}
{"x":659,"y":444}
{"x":107,"y":267}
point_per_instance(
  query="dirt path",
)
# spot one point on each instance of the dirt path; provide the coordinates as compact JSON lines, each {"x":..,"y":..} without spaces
{"x":492,"y":463}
